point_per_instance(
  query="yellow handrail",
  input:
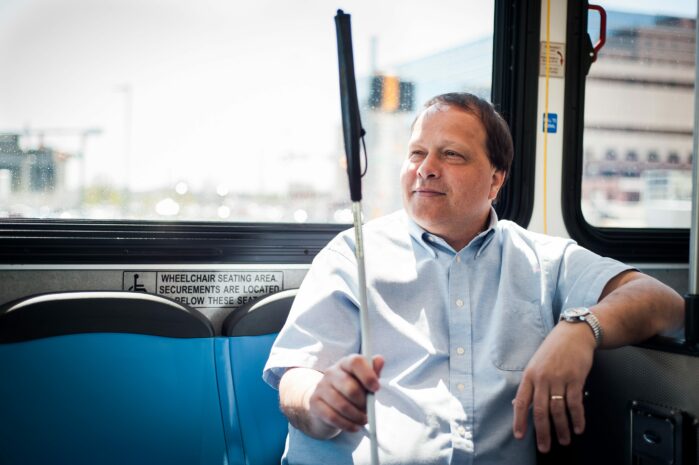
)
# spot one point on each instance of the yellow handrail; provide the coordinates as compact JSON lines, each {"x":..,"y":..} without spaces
{"x":546,"y":111}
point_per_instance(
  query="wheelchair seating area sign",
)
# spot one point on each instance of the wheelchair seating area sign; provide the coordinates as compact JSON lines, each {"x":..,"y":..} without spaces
{"x":205,"y":289}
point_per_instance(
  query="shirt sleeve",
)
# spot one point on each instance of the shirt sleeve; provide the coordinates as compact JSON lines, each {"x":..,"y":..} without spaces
{"x":323,"y":324}
{"x":582,"y":277}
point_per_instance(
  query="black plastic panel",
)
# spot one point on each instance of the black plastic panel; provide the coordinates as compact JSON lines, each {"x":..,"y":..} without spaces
{"x":56,"y":241}
{"x":62,"y":313}
{"x":265,"y":315}
{"x":658,"y":434}
{"x":629,"y":375}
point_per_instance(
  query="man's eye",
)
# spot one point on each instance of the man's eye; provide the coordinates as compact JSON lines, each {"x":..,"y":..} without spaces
{"x":416,"y":154}
{"x":452,"y":154}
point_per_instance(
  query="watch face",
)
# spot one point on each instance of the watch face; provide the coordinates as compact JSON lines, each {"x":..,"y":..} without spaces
{"x":575,"y":312}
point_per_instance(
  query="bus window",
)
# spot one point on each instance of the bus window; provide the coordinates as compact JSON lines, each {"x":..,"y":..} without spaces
{"x":633,"y":175}
{"x":217,"y":110}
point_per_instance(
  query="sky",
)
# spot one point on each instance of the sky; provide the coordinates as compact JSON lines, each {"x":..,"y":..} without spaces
{"x":682,"y":8}
{"x":213,"y":92}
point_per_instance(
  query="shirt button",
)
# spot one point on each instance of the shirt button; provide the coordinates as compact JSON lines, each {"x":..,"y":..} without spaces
{"x":459,"y":302}
{"x":460,"y":386}
{"x":461,"y":430}
{"x":460,"y":350}
{"x":458,"y":259}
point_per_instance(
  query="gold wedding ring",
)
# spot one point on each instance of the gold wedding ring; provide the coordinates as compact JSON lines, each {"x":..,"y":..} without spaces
{"x":557,"y":397}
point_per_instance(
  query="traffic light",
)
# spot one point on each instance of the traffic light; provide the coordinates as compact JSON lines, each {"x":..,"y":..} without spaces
{"x":390,"y":94}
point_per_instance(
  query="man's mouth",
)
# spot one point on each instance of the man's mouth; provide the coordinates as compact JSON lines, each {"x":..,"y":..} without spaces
{"x":427,"y":192}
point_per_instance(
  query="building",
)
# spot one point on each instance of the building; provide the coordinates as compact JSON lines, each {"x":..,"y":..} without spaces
{"x":645,"y":139}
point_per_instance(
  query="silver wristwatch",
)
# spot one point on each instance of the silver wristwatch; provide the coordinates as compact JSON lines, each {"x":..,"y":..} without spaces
{"x":580,"y":314}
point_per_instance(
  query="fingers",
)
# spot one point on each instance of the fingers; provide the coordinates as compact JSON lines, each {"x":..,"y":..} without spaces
{"x":553,"y":409}
{"x":559,"y":414}
{"x":542,"y":426}
{"x":552,"y":384}
{"x":576,"y":409}
{"x":566,"y":410}
{"x":330,"y":405}
{"x":340,"y":397}
{"x":520,"y":405}
{"x":357,"y":366}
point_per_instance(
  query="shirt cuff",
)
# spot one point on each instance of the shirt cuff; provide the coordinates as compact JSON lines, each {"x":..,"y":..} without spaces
{"x":278,"y":364}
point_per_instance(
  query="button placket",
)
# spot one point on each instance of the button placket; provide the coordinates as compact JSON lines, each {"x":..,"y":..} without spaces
{"x":460,"y":317}
{"x":460,"y":365}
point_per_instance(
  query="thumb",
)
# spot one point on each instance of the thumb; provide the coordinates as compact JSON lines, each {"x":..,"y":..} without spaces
{"x":378,"y":362}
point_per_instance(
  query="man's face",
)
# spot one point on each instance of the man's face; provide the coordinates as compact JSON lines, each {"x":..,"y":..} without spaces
{"x":447,"y":180}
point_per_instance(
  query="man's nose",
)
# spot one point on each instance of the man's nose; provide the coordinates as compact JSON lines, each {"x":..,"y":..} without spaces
{"x":429,"y":167}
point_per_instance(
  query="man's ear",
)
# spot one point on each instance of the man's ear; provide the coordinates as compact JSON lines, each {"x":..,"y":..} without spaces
{"x":497,"y":180}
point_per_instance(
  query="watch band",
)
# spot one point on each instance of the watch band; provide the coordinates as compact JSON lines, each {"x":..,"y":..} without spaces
{"x":593,"y":322}
{"x":582,"y":314}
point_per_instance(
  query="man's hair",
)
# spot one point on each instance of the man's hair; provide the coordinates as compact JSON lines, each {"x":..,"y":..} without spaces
{"x":498,"y":140}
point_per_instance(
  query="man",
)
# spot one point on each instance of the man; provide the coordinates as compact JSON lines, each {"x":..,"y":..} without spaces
{"x":463,"y":311}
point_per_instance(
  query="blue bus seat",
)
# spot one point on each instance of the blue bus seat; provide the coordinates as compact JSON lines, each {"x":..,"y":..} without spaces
{"x":255,"y":422}
{"x":108,"y":378}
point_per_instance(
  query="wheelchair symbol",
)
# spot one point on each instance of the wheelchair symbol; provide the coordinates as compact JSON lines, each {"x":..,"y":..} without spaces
{"x":137,"y":287}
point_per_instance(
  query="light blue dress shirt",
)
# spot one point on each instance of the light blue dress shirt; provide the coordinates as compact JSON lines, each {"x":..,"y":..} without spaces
{"x":456,"y":330}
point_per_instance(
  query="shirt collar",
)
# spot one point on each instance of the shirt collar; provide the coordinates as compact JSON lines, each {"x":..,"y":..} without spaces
{"x":429,"y":241}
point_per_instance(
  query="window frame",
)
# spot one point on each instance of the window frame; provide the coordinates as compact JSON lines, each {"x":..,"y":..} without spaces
{"x":655,"y":245}
{"x":515,"y":86}
{"x":38,"y":241}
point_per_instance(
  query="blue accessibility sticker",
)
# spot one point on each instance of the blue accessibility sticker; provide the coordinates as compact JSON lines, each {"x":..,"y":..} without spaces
{"x":552,"y":125}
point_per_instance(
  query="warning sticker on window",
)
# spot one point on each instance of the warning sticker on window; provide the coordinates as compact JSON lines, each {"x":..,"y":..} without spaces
{"x":556,"y":61}
{"x":206,"y":288}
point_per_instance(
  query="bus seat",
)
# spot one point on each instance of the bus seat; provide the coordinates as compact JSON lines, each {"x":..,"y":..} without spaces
{"x":108,"y":378}
{"x":254,"y":417}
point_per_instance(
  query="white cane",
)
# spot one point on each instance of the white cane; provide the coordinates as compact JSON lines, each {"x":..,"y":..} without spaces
{"x":364,"y":325}
{"x":353,"y":132}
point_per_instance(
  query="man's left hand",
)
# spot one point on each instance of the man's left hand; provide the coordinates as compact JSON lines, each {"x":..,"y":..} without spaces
{"x":553,"y":384}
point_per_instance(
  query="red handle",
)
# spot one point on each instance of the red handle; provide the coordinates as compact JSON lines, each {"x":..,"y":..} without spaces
{"x":602,"y":30}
